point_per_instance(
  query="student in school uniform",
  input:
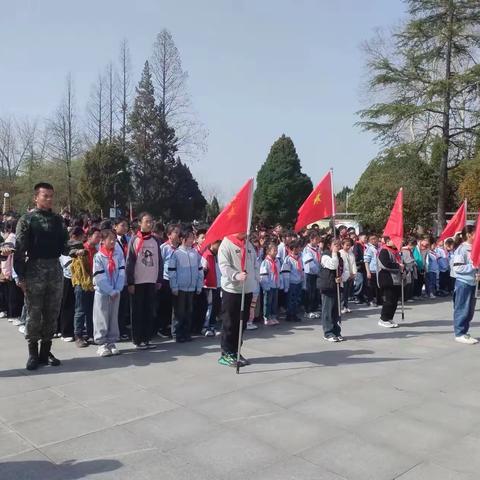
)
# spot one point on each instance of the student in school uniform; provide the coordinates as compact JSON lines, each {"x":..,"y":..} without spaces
{"x":108,"y":280}
{"x":186,"y":279}
{"x":144,"y":270}
{"x":271,"y":282}
{"x":293,"y":277}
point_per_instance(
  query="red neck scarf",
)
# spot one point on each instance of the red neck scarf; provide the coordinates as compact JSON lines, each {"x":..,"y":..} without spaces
{"x":122,"y":241}
{"x":242,"y":245}
{"x":395,"y":253}
{"x":297,"y":261}
{"x":274,"y":268}
{"x":142,"y":236}
{"x":91,"y":250}
{"x":316,"y":251}
{"x":109,"y":255}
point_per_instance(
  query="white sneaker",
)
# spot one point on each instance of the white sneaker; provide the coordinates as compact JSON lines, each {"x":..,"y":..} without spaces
{"x":467,"y":339}
{"x":17,"y":322}
{"x":340,"y":338}
{"x":387,"y":324}
{"x":433,"y":295}
{"x":21,"y":329}
{"x":345,"y":310}
{"x":68,"y":339}
{"x":331,"y":339}
{"x":311,"y":315}
{"x":113,"y":349}
{"x":103,"y":351}
{"x":270,"y":323}
{"x":10,"y":319}
{"x":3,"y":314}
{"x":251,"y":326}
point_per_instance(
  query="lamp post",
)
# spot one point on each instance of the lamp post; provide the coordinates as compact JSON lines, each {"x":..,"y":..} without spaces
{"x":115,"y":191}
{"x":6,"y":197}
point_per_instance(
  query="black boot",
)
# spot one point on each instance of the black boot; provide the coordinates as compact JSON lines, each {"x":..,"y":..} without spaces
{"x":45,"y":357}
{"x":32,"y":362}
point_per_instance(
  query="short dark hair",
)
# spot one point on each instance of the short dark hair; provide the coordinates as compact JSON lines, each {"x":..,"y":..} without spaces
{"x":45,"y":185}
{"x":142,"y":215}
{"x":76,"y":232}
{"x":120,"y":220}
{"x":107,"y":232}
{"x":91,"y":231}
{"x":171,"y":227}
{"x":185,"y":232}
{"x":201,"y":231}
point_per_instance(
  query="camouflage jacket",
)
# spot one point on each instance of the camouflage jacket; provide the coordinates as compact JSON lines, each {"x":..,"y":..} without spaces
{"x":41,"y":234}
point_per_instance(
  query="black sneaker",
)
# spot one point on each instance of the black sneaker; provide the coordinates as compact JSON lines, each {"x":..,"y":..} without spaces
{"x":244,"y":361}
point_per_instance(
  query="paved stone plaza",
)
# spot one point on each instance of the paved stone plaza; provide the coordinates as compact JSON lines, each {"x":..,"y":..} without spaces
{"x":385,"y":404}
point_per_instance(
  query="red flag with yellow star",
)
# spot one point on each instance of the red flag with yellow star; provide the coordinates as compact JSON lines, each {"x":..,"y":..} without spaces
{"x":234,"y":218}
{"x":318,"y":205}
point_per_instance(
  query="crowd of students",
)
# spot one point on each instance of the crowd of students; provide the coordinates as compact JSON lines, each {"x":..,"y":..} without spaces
{"x":133,"y":281}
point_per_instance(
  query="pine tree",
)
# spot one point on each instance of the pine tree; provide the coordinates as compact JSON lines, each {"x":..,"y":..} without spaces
{"x":108,"y":163}
{"x":281,"y":185}
{"x":186,"y":201}
{"x":152,"y":146}
{"x":213,"y":209}
{"x":428,"y":87}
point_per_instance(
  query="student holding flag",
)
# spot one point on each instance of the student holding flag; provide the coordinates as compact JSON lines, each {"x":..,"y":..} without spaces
{"x":237,"y":261}
{"x":466,"y":260}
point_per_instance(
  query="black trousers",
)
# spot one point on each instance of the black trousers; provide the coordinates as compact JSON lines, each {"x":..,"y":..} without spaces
{"x":183,"y":314}
{"x":124,"y":312}
{"x":143,"y":310}
{"x":311,"y":294}
{"x":67,"y":309}
{"x":390,"y":297}
{"x":417,"y":287}
{"x":373,"y":290}
{"x":15,"y":300}
{"x":165,"y":307}
{"x":231,"y":303}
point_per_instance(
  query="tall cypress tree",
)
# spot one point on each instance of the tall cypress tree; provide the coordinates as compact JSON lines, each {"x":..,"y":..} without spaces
{"x":152,"y":146}
{"x":281,"y":185}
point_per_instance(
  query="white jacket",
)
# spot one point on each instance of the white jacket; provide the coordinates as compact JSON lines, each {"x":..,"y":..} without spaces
{"x":229,"y":261}
{"x":349,"y":265}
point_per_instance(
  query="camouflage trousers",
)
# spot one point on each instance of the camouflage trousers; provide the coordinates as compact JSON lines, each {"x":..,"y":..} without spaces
{"x":43,"y":298}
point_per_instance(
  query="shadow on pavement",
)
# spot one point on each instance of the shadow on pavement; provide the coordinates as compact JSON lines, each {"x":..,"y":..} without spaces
{"x":39,"y":469}
{"x":329,"y":358}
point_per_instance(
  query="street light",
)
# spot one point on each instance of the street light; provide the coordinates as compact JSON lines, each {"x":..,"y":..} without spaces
{"x":115,"y":190}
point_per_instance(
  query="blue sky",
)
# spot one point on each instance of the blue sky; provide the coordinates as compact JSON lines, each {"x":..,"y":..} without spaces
{"x":257,"y":69}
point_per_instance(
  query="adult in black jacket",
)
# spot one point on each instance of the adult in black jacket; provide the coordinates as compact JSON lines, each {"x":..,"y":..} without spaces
{"x":329,"y":278}
{"x":389,"y":278}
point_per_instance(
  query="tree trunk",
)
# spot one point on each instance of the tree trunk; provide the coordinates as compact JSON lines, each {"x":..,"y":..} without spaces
{"x":443,"y":169}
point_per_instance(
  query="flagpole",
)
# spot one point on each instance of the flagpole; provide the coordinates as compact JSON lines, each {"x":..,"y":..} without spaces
{"x":242,"y":302}
{"x":335,"y":236}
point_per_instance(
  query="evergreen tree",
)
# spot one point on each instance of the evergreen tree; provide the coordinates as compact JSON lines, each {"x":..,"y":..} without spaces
{"x":428,"y":86}
{"x":186,"y":201}
{"x":378,"y":186}
{"x":152,"y":147}
{"x":213,"y":209}
{"x":108,"y":163}
{"x":281,"y":185}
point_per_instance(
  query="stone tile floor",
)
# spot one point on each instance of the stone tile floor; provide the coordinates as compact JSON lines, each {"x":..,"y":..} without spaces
{"x":386,"y":404}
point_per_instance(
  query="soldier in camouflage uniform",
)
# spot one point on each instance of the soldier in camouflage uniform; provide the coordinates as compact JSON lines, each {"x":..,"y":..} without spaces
{"x":41,"y":239}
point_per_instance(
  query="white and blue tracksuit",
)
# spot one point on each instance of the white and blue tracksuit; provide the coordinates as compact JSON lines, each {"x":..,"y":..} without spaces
{"x":464,"y":299}
{"x":271,"y":281}
{"x":293,"y":276}
{"x":186,"y":278}
{"x":311,"y":257}
{"x":107,"y":297}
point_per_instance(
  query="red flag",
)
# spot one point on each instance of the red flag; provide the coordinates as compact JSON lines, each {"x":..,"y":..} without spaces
{"x":319,"y":204}
{"x":234,"y":218}
{"x":456,"y":223}
{"x":394,"y":226}
{"x":475,"y":254}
